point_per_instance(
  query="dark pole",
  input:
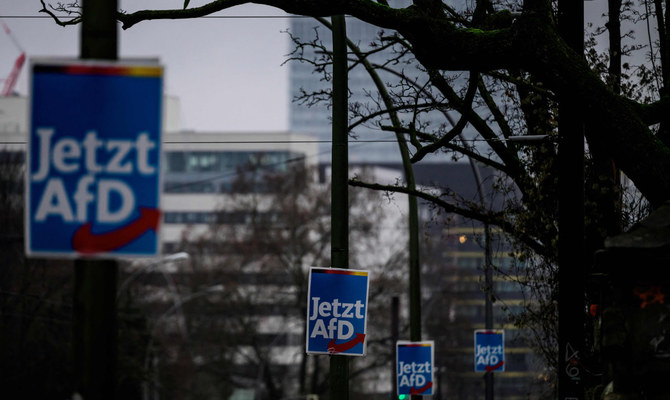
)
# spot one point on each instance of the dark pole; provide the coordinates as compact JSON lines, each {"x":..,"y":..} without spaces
{"x":488,"y":272}
{"x":395,"y":335}
{"x":488,"y":301}
{"x":99,"y":38}
{"x":570,"y":219}
{"x":339,"y":244}
{"x":413,"y":220}
{"x":94,"y":301}
{"x":414,"y":260}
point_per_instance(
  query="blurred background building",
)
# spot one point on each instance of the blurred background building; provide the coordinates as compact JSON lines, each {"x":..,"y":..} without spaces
{"x":246,"y":215}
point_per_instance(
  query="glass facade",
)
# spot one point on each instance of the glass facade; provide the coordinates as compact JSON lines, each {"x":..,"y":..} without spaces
{"x":368,"y":141}
{"x":219,"y":217}
{"x":225,"y":161}
{"x":216,"y":171}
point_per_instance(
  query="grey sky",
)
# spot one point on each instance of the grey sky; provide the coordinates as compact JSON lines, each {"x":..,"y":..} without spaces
{"x":227,"y":73}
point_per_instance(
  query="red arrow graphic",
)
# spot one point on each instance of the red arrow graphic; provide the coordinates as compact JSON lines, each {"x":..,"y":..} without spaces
{"x":338,"y":348}
{"x":490,"y":368}
{"x":421,"y":389}
{"x":86,"y":242}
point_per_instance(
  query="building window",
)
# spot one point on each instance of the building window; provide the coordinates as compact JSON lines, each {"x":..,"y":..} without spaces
{"x":225,"y":161}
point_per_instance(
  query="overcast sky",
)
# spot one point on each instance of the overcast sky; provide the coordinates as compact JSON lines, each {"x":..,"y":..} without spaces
{"x":226,"y":72}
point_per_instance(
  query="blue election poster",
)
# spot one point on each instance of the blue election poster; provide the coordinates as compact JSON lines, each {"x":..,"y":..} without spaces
{"x":414,"y":363}
{"x":489,"y":350}
{"x":337,"y":308}
{"x":94,"y":150}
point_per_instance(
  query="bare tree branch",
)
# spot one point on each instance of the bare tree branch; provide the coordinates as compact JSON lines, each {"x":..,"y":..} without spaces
{"x":494,"y":218}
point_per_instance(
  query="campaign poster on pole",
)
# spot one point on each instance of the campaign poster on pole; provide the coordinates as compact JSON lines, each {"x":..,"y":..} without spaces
{"x":415,"y":367}
{"x":93,"y":180}
{"x":489,"y":350}
{"x":337,"y":306}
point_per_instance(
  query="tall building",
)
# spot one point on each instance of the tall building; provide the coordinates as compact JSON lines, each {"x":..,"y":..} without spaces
{"x":369,"y":142}
{"x":238,"y":204}
{"x":247,"y":333}
{"x":201,"y":169}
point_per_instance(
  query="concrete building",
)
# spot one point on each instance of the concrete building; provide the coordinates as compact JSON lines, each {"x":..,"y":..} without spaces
{"x":200,"y":169}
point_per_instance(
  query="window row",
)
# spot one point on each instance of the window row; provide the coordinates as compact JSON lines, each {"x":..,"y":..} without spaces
{"x":225,"y":161}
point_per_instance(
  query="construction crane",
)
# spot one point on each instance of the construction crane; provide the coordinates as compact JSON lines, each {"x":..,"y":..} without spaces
{"x":10,"y":81}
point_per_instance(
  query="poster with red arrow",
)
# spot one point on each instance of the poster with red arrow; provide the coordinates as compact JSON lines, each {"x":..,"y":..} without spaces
{"x":93,"y":180}
{"x":489,"y":350}
{"x":337,"y":305}
{"x":414,"y":365}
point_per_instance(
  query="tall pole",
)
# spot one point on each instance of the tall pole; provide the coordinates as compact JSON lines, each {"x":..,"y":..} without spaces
{"x":414,"y":257}
{"x":488,"y":301}
{"x":488,"y":273}
{"x":570,"y":219}
{"x":395,"y":335}
{"x":94,"y":327}
{"x":339,"y":244}
{"x":413,"y":219}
